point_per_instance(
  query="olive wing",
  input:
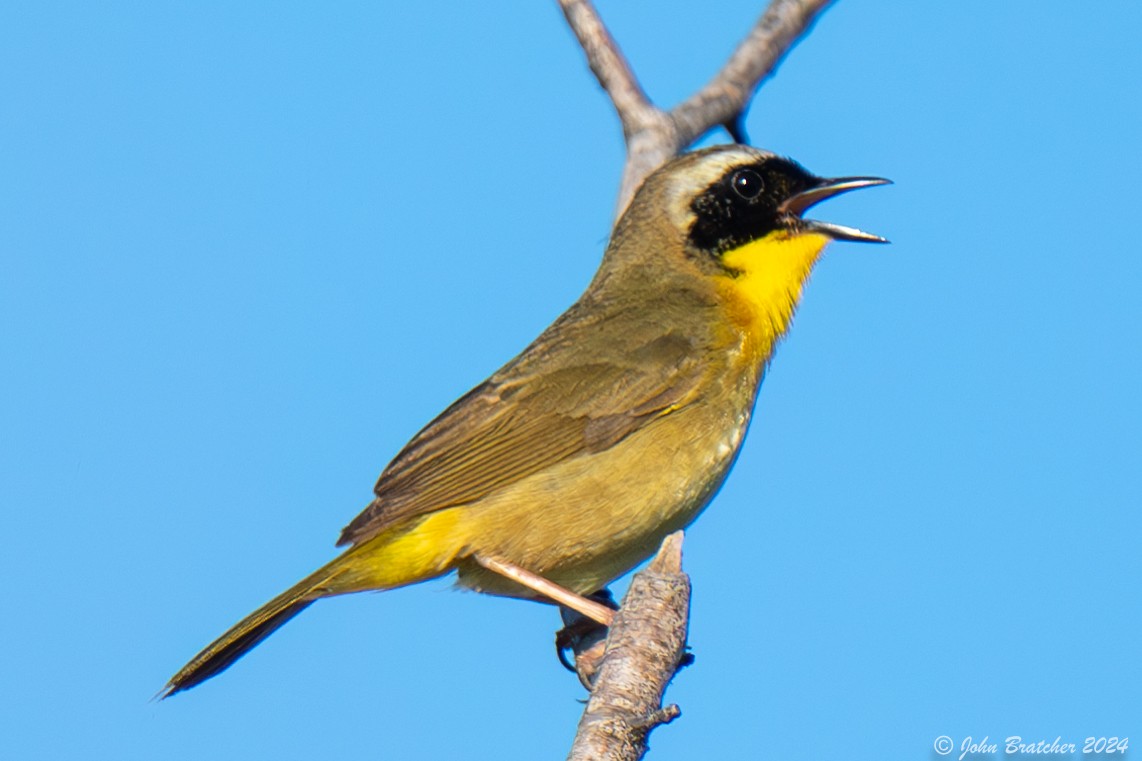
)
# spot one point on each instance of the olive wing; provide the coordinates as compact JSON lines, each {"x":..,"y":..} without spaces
{"x":543,"y":408}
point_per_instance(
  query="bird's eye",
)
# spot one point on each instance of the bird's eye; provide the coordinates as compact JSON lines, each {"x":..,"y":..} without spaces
{"x":747,"y":184}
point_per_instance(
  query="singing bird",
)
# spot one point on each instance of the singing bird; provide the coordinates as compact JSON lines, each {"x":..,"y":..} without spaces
{"x":616,"y":426}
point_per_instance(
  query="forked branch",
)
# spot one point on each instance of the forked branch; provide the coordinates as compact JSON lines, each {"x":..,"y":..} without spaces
{"x":654,"y":136}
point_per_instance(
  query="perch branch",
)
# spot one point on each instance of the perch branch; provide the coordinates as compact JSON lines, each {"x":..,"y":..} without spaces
{"x":646,"y":644}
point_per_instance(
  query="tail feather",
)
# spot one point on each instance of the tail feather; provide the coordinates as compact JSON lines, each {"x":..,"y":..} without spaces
{"x":222,"y":652}
{"x":409,"y":552}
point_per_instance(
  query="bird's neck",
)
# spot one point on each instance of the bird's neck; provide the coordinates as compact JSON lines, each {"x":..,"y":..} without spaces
{"x":763,"y":287}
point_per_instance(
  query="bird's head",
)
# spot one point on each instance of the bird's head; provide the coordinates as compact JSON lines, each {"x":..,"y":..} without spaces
{"x":732,"y":216}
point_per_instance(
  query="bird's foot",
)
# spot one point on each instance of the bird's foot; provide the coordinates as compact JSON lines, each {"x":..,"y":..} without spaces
{"x":585,"y":637}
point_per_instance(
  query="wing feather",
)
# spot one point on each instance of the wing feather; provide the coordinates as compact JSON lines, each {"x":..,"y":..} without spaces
{"x":544,"y":407}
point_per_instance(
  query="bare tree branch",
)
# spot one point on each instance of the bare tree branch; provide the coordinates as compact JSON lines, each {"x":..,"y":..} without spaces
{"x":628,"y":668}
{"x":654,"y":136}
{"x":644,"y":648}
{"x":608,"y":65}
{"x":726,"y":96}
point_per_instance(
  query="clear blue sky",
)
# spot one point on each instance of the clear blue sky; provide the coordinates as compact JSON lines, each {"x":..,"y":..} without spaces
{"x":247,"y":250}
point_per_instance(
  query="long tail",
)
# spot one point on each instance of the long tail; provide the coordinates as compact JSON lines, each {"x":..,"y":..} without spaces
{"x":244,"y":635}
{"x":421,"y":549}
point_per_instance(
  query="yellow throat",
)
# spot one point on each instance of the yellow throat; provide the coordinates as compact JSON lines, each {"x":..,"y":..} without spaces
{"x":763,"y":292}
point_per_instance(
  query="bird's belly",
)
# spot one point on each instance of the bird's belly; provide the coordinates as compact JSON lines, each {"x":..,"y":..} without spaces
{"x":591,"y":519}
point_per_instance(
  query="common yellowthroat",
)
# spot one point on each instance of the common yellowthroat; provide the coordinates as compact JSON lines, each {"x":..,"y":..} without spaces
{"x":612,"y":429}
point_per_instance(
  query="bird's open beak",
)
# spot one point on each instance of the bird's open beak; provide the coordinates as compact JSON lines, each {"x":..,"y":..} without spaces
{"x":806,"y":199}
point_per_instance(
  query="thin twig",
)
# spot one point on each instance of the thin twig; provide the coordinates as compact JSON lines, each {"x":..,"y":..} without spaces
{"x":644,"y":648}
{"x":654,"y":136}
{"x":726,"y":96}
{"x":609,"y":65}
